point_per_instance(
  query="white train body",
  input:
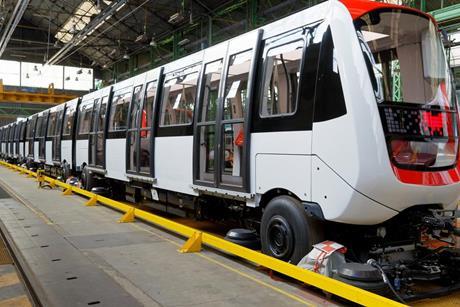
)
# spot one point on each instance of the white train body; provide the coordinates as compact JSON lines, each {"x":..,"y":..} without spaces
{"x":323,"y":107}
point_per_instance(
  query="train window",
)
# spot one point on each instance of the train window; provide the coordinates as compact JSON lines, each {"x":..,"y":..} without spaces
{"x":329,"y":101}
{"x":282,"y":73}
{"x":119,"y":109}
{"x":178,"y":101}
{"x":23,"y":130}
{"x":85,"y":118}
{"x":43,"y":126}
{"x":39,"y":126}
{"x":102,"y":113}
{"x":30,"y":128}
{"x":135,"y":106}
{"x":236,"y":85}
{"x":212,"y":76}
{"x":68,"y":120}
{"x":52,"y":124}
{"x":94,"y":119}
{"x":147,"y":111}
{"x":16,"y":132}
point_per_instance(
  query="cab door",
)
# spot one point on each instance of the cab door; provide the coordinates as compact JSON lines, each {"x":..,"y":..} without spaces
{"x":221,"y":132}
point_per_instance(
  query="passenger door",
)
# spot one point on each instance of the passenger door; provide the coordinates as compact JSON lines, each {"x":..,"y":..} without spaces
{"x":98,"y":130}
{"x":140,"y":140}
{"x":55,"y":135}
{"x":221,"y":133}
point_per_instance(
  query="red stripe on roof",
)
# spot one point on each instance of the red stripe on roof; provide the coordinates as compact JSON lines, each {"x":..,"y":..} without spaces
{"x":358,"y":8}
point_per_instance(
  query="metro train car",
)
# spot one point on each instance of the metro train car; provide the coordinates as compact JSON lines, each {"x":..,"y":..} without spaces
{"x":339,"y":122}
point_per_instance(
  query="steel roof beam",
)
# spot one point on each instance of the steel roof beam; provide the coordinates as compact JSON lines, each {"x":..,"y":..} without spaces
{"x":18,"y":12}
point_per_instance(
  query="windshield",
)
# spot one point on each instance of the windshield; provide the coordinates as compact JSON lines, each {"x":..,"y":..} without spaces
{"x":406,"y":59}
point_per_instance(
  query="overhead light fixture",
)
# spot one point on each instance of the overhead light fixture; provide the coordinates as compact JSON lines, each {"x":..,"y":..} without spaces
{"x":176,"y":18}
{"x":93,"y":63}
{"x":112,"y":53}
{"x":126,"y":56}
{"x":141,"y":38}
{"x":80,"y":71}
{"x":153,"y":42}
{"x":120,"y":7}
{"x":105,"y":66}
{"x":183,"y":42}
{"x":18,"y":55}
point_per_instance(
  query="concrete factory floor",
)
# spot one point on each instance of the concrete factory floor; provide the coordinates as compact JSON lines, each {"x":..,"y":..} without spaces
{"x":80,"y":256}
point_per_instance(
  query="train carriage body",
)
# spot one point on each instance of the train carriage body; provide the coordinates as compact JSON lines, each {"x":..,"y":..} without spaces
{"x":342,"y":115}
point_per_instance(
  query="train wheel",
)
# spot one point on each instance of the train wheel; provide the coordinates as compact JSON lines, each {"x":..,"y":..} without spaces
{"x":287,"y":233}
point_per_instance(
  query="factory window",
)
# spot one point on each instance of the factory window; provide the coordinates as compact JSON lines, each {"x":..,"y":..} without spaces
{"x":178,"y":101}
{"x":119,"y":110}
{"x":282,"y":72}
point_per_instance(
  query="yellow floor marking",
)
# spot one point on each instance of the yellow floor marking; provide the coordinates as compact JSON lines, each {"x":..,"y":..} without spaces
{"x":18,"y":301}
{"x":225,"y":266}
{"x":9,"y":279}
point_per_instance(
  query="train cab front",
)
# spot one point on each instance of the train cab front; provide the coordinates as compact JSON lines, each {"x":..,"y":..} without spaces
{"x":402,"y":127}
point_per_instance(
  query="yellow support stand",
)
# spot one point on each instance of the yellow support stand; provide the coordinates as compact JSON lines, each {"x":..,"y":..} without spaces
{"x":193,"y":244}
{"x":128,"y":217}
{"x":67,"y":191}
{"x":91,"y":202}
{"x":52,"y":184}
{"x":40,"y":178}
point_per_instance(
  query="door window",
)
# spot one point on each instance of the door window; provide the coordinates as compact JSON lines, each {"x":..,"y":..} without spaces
{"x":146,"y":119}
{"x":236,"y":85}
{"x":207,"y":120}
{"x":234,"y":110}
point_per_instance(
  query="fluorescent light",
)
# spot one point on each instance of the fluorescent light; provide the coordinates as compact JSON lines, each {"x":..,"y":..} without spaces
{"x":183,"y":42}
{"x":120,"y":7}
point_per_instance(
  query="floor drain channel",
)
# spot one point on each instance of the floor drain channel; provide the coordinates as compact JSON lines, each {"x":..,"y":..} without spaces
{"x":94,"y":303}
{"x":42,"y":246}
{"x":34,"y":235}
{"x":57,"y":259}
{"x":72,"y":278}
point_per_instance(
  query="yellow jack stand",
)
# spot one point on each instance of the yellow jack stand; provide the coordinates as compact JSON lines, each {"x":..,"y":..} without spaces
{"x":67,"y":191}
{"x":91,"y":202}
{"x":193,"y":244}
{"x":128,"y":217}
{"x":40,"y":178}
